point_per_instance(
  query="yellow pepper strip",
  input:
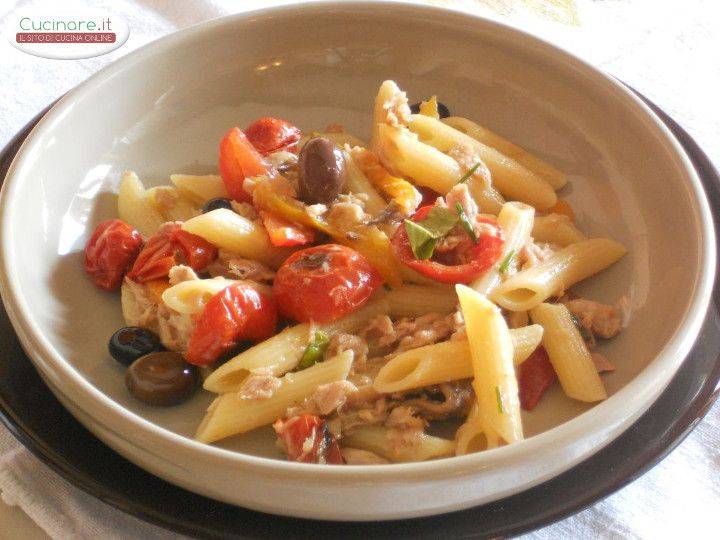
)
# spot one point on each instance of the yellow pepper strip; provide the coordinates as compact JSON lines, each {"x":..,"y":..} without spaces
{"x":367,"y":240}
{"x":430,"y":108}
{"x":402,"y":192}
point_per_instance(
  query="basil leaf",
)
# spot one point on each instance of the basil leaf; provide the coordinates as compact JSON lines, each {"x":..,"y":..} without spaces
{"x":498,"y":397}
{"x":421,"y":240}
{"x":505,"y":265}
{"x":465,"y":177}
{"x":465,"y":223}
{"x":314,"y":351}
{"x":439,"y":221}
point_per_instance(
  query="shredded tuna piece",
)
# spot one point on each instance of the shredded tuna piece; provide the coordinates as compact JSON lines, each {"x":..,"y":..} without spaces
{"x":340,"y":343}
{"x":461,"y":194}
{"x":534,"y":253}
{"x":260,"y":384}
{"x":372,"y":414}
{"x":602,"y":364}
{"x":332,"y":396}
{"x":424,"y":330}
{"x":355,"y":456}
{"x":232,"y":266}
{"x":282,"y":159}
{"x":398,"y":110}
{"x":348,"y":212}
{"x":403,"y":417}
{"x":181,"y":273}
{"x":174,"y":328}
{"x":467,"y":158}
{"x":137,"y":307}
{"x":600,"y":319}
{"x":316,"y":210}
{"x":456,"y":397}
{"x":244,"y":209}
{"x":380,"y":330}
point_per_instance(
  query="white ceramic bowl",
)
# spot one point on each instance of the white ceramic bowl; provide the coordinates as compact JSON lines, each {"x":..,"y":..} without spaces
{"x":163,"y":109}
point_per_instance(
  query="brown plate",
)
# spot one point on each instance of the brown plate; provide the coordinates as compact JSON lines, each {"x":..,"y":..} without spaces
{"x":36,"y":418}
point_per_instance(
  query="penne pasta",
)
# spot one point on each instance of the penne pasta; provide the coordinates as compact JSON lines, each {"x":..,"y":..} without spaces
{"x":487,"y":197}
{"x":190,"y":297}
{"x":491,"y":350}
{"x":199,"y":189}
{"x":169,"y":203}
{"x":282,"y":352}
{"x":228,"y":230}
{"x":445,"y":361}
{"x":387,"y":94}
{"x":357,"y":182}
{"x":568,"y":353}
{"x":473,"y":435}
{"x":230,"y":415}
{"x":516,"y":221}
{"x":135,"y":208}
{"x":395,"y":446}
{"x":556,"y":229}
{"x":547,"y":172}
{"x":509,"y":177}
{"x":415,"y":300}
{"x":564,"y":268}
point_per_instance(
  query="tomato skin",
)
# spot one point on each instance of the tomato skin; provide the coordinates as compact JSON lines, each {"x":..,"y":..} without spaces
{"x":429,"y":196}
{"x":535,"y":375}
{"x":284,"y":233}
{"x":324,"y":282}
{"x":296,"y":430}
{"x":237,"y":313}
{"x":269,"y":135}
{"x":481,"y":256}
{"x":169,"y":246}
{"x":110,"y":253}
{"x":239,"y":160}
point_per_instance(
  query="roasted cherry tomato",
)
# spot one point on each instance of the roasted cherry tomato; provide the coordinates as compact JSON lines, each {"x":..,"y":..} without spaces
{"x":285,"y":233}
{"x":306,"y":439}
{"x":168,"y":247}
{"x":535,"y":375}
{"x":269,"y":135}
{"x":239,"y":160}
{"x":110,"y":253}
{"x":322,"y":283}
{"x":479,"y":257}
{"x":237,"y":313}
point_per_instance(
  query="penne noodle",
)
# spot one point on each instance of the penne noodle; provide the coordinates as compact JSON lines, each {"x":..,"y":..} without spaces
{"x":170,"y":204}
{"x":135,"y":208}
{"x":199,"y":189}
{"x":226,"y":229}
{"x":491,"y":350}
{"x":387,"y":93}
{"x":282,"y":352}
{"x":509,"y":177}
{"x":395,"y":446}
{"x":357,"y":182}
{"x":445,"y":361}
{"x":557,"y":273}
{"x":473,"y":436}
{"x":230,"y":415}
{"x":547,"y":172}
{"x":190,"y":297}
{"x":516,"y":221}
{"x":415,"y":300}
{"x":556,"y":229}
{"x":568,"y":353}
{"x":487,"y":197}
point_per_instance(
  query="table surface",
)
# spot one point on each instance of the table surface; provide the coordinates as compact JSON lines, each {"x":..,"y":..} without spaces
{"x":669,"y":51}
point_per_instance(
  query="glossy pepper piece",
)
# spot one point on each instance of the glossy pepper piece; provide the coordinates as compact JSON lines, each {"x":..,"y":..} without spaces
{"x":535,"y":375}
{"x":239,"y":160}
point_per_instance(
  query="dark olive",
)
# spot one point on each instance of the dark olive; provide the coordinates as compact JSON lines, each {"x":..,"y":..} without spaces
{"x":162,"y":378}
{"x":214,"y":204}
{"x":443,"y":111}
{"x":130,"y":343}
{"x":321,"y":171}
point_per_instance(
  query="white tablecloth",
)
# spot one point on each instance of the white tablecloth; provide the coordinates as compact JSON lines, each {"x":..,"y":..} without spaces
{"x":670,"y":51}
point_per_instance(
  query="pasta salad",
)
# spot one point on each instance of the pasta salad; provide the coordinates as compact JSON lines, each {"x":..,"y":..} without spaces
{"x":354,"y":294}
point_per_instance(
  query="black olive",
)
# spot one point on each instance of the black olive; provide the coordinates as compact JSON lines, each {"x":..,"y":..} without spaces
{"x":443,"y":111}
{"x":162,"y":379}
{"x":214,"y":204}
{"x":321,"y":171}
{"x":130,"y":343}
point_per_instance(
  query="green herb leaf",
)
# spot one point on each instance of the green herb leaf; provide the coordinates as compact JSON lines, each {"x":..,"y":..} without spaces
{"x":465,"y":177}
{"x":439,"y":221}
{"x":498,"y":397}
{"x":465,"y":223}
{"x":421,"y":240}
{"x":505,"y":264}
{"x":314,"y":351}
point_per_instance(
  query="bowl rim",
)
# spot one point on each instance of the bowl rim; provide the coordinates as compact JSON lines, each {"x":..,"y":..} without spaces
{"x":603,"y":417}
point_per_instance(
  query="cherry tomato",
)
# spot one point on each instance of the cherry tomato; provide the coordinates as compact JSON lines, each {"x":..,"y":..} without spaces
{"x":535,"y":375}
{"x":294,"y":433}
{"x":237,"y":313}
{"x":110,"y":253}
{"x":480,"y":257}
{"x":285,"y":233}
{"x":239,"y":160}
{"x":429,"y":196}
{"x":269,"y":135}
{"x":324,"y":282}
{"x":168,"y":247}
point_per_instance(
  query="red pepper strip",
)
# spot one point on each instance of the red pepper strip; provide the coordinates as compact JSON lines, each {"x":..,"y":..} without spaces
{"x":535,"y":375}
{"x":239,"y":160}
{"x":283,"y":232}
{"x":481,"y":255}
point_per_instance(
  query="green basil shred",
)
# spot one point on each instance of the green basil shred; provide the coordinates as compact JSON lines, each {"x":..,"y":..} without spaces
{"x":465,"y":177}
{"x":498,"y":396}
{"x":465,"y":223}
{"x":505,"y":264}
{"x":314,"y":351}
